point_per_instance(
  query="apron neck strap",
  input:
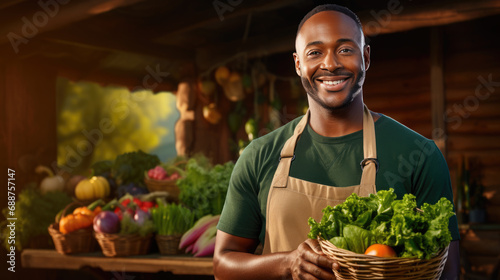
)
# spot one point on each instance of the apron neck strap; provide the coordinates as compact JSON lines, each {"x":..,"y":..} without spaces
{"x":369,"y":165}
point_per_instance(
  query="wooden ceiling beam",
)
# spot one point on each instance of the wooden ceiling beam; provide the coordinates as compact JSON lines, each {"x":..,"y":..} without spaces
{"x":30,"y":19}
{"x":129,"y":43}
{"x":399,"y":18}
{"x":210,"y":16}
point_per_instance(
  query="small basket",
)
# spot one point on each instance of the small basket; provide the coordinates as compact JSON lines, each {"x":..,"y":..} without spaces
{"x":360,"y":266}
{"x":169,"y":186}
{"x":79,"y":241}
{"x":168,"y":244}
{"x":116,"y":245}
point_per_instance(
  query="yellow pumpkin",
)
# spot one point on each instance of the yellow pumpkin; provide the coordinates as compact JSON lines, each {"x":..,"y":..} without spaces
{"x":93,"y":188}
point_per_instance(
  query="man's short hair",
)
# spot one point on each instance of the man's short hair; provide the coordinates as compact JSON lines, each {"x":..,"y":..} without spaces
{"x":330,"y":7}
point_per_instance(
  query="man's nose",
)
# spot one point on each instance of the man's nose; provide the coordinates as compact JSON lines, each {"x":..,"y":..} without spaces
{"x":330,"y":62}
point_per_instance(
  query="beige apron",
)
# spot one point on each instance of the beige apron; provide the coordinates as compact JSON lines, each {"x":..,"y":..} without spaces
{"x":291,"y":201}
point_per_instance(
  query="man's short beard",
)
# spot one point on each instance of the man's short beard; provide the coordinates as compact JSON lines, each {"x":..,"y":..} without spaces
{"x":312,"y":88}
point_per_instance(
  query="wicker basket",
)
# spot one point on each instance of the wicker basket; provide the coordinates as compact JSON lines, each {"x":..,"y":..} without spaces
{"x":360,"y":266}
{"x":115,"y":245}
{"x":168,"y":244}
{"x":169,"y":186}
{"x":79,"y":241}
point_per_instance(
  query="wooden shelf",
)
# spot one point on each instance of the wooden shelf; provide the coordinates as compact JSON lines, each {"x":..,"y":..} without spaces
{"x":152,"y":263}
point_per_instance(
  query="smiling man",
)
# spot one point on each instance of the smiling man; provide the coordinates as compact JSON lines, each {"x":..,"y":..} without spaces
{"x":292,"y":173}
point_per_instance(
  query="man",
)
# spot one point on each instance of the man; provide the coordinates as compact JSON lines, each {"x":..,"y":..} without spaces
{"x":293,"y":172}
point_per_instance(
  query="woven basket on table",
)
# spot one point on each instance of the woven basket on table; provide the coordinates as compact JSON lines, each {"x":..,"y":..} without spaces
{"x":79,"y":241}
{"x":168,"y":244}
{"x":360,"y":266}
{"x":169,"y":186}
{"x":116,"y":245}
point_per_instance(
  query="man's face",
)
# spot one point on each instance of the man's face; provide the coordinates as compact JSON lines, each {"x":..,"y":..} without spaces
{"x":331,"y":59}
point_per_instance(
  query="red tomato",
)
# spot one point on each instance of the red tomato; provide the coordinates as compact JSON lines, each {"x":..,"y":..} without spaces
{"x":381,"y":250}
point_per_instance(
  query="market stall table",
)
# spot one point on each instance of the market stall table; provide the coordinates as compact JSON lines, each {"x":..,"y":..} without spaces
{"x":151,"y":263}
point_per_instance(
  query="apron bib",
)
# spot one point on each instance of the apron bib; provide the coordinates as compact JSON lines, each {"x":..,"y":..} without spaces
{"x":292,"y":201}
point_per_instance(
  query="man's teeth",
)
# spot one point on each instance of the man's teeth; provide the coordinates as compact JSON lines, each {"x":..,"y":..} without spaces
{"x":333,"y":82}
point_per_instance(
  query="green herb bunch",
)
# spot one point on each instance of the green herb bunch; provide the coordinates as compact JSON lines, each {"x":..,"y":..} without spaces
{"x":172,"y":219}
{"x":204,"y":188}
{"x":34,"y":213}
{"x":382,"y":219}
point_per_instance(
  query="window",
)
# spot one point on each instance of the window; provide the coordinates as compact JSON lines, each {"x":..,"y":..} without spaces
{"x":99,"y":123}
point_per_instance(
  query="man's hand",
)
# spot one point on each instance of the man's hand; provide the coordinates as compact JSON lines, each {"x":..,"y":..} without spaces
{"x":309,"y":262}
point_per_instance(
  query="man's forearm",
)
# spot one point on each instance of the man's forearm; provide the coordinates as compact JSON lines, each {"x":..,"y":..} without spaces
{"x":243,"y":266}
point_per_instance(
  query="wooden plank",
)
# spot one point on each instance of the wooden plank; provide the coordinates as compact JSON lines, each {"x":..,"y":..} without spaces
{"x":473,"y":142}
{"x":437,"y":90}
{"x":434,"y":14}
{"x":483,"y":247}
{"x":31,"y":258}
{"x":71,"y":12}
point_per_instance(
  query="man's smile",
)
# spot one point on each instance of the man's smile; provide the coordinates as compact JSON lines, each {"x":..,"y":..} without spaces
{"x":332,"y":83}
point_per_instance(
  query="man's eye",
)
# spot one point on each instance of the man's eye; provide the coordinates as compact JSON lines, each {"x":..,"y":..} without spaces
{"x":313,"y":53}
{"x":345,"y":51}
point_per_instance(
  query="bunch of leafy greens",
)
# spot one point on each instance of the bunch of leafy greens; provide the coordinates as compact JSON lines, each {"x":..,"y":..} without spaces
{"x":380,"y":218}
{"x":129,"y":226}
{"x":34,"y":212}
{"x":172,"y":219}
{"x":130,"y":167}
{"x":204,"y":188}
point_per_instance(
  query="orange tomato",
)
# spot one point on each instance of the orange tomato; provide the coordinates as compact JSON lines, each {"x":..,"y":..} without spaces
{"x":381,"y":250}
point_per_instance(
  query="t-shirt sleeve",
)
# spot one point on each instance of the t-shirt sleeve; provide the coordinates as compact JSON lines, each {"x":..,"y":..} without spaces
{"x":432,"y":179}
{"x":241,"y":213}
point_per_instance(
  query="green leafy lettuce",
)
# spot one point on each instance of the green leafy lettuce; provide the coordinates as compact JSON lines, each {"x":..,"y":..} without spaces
{"x":381,"y":218}
{"x":204,"y":187}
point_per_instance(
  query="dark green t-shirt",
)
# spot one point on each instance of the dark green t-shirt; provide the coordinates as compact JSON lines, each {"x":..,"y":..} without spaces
{"x":409,"y":163}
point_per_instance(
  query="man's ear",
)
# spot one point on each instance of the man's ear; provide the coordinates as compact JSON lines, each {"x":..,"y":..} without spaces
{"x":366,"y":54}
{"x":297,"y":64}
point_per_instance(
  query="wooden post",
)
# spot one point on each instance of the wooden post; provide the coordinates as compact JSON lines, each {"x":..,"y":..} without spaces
{"x":184,"y":128}
{"x":29,"y":123}
{"x":437,"y":90}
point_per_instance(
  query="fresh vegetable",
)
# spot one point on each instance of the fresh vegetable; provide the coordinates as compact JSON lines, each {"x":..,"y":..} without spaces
{"x":157,"y":173}
{"x":205,"y":244}
{"x":129,"y":203}
{"x":91,"y":210}
{"x":82,"y":217}
{"x":130,"y":188}
{"x":211,"y":113}
{"x":34,"y":212}
{"x":106,"y":222}
{"x":193,"y":234}
{"x":130,"y":167}
{"x":51,"y":182}
{"x":140,"y":217}
{"x":73,"y":222}
{"x":251,"y":129}
{"x":130,"y":226}
{"x":381,"y":250}
{"x":93,"y":188}
{"x":72,"y":183}
{"x":222,"y":75}
{"x":101,"y":167}
{"x":204,"y":188}
{"x":382,"y":219}
{"x":172,"y":219}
